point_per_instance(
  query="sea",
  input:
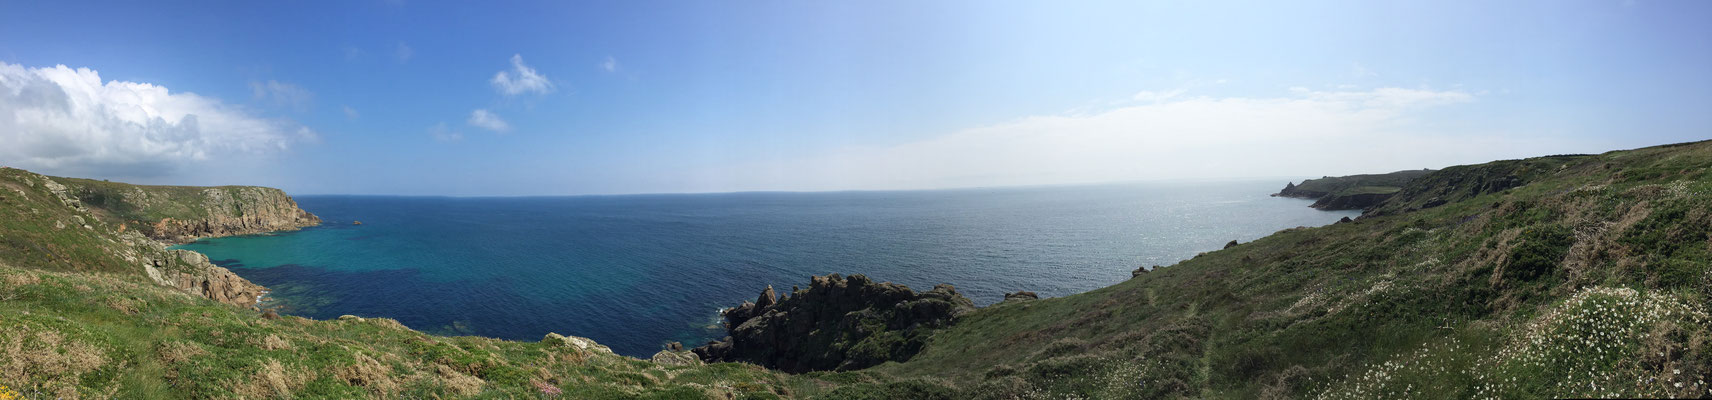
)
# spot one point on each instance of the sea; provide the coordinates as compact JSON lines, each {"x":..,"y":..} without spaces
{"x":635,"y":272}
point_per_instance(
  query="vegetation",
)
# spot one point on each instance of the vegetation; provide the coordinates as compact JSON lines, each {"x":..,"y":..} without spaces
{"x":1562,"y":276}
{"x":1559,"y":276}
{"x":1353,"y":184}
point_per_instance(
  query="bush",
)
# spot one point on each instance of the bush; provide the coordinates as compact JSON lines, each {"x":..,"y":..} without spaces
{"x":1542,"y":248}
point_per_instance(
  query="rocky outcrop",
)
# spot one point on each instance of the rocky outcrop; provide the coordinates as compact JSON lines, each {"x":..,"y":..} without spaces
{"x":576,"y":342}
{"x":121,"y":220}
{"x":1020,"y":296}
{"x":1351,"y":201}
{"x":233,"y":211}
{"x":1291,"y":190}
{"x":1354,"y":192}
{"x":838,"y":323}
{"x":181,"y":214}
{"x":1139,"y":271}
{"x":674,"y":354}
{"x":202,"y":278}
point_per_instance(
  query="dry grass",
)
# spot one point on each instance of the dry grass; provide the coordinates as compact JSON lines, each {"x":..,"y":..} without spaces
{"x":179,"y":352}
{"x":369,"y":373}
{"x":274,"y":342}
{"x":47,"y":361}
{"x":458,"y":382}
{"x":271,"y":380}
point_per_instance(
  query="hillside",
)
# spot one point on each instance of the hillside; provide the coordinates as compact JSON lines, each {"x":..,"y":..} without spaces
{"x":1564,"y":276}
{"x":94,"y":309}
{"x":1352,"y":192}
{"x":1561,"y":276}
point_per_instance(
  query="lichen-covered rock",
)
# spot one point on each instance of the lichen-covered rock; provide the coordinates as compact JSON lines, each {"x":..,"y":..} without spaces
{"x":577,"y":342}
{"x":669,"y":357}
{"x":838,"y":323}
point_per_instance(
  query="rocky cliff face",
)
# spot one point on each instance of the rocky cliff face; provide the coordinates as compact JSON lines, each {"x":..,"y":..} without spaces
{"x":181,"y":214}
{"x":837,"y":323}
{"x":1351,"y":201}
{"x":81,"y":224}
{"x":191,"y":272}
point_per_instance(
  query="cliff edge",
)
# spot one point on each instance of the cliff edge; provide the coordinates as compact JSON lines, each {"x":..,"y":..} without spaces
{"x":1353,"y":192}
{"x":182,"y":214}
{"x":96,"y":226}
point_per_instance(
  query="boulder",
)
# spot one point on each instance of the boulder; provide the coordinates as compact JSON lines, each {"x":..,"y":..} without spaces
{"x":680,"y":357}
{"x":1139,"y":271}
{"x":576,"y":342}
{"x":1021,"y":296}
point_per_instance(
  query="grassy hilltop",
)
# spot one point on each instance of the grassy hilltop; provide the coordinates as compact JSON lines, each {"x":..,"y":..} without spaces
{"x":1561,"y":276}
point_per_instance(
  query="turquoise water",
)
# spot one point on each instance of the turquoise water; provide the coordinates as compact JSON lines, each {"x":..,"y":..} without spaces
{"x":634,"y":272}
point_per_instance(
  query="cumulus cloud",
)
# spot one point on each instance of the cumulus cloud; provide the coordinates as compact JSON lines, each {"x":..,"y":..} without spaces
{"x":488,"y":120}
{"x":1305,"y":132}
{"x":351,"y":113}
{"x":1157,"y":96}
{"x":67,"y":121}
{"x":520,"y":79}
{"x":283,"y":94}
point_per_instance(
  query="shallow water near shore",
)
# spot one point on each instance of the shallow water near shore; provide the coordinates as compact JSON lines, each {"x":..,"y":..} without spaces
{"x":634,"y":272}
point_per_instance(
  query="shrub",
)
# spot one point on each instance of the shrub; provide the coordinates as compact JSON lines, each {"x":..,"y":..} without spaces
{"x":1542,"y":248}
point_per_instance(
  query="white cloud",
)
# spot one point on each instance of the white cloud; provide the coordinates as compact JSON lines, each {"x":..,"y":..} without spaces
{"x":283,"y":94}
{"x":67,"y":121}
{"x":520,"y":79}
{"x":610,"y":65}
{"x":441,"y":133}
{"x":351,"y":113}
{"x":403,"y":52}
{"x":1155,"y":97}
{"x":488,"y":120}
{"x":1304,"y":133}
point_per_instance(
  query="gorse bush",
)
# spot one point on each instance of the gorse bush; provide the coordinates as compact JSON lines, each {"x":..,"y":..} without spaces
{"x":1542,"y":248}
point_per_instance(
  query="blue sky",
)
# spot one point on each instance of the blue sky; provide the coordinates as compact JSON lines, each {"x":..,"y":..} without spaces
{"x":406,"y":97}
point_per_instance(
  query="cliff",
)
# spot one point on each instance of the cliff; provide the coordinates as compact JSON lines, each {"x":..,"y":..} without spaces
{"x":51,"y":222}
{"x":91,"y":307}
{"x":1561,"y":276}
{"x":1558,"y":276}
{"x":837,"y":323}
{"x":1352,"y":192}
{"x":181,"y":214}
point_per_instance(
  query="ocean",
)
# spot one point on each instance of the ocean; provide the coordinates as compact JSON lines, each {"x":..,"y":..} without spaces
{"x":636,"y":271}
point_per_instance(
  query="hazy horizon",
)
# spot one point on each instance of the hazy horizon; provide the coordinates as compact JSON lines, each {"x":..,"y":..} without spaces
{"x":396,"y":97}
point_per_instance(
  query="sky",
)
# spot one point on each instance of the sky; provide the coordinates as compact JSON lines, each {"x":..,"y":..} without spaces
{"x":410,"y":97}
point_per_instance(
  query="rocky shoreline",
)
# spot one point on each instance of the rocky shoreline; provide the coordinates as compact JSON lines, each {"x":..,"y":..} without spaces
{"x":837,"y":323}
{"x":188,"y":214}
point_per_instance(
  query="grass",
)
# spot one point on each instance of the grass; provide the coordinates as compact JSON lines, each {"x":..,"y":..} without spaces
{"x":1519,"y":257}
{"x":1358,"y":183}
{"x":1562,"y":276}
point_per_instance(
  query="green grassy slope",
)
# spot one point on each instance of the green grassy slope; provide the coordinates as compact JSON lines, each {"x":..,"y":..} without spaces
{"x":80,"y":319}
{"x":1546,"y":277}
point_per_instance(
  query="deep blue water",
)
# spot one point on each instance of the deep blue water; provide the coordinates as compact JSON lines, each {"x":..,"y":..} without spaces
{"x":634,"y":272}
